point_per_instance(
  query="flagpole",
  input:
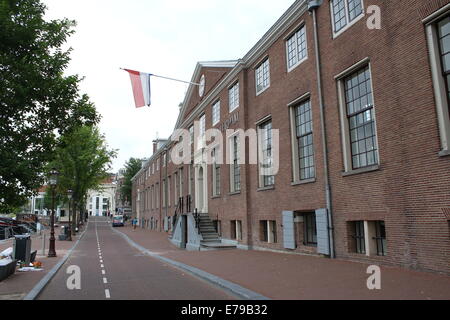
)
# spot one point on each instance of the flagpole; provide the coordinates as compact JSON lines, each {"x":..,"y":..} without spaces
{"x":167,"y":78}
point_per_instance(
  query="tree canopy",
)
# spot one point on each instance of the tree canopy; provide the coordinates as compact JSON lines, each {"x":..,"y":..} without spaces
{"x":83,"y":160}
{"x":37,"y":101}
{"x":132,"y":167}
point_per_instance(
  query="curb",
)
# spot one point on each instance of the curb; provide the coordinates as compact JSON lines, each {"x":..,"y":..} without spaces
{"x":236,"y":289}
{"x":33,"y":294}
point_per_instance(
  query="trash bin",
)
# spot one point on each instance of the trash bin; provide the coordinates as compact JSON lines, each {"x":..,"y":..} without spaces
{"x":22,"y":248}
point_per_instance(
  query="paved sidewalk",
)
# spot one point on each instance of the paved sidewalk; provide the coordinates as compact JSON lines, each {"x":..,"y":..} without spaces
{"x":17,"y":286}
{"x":297,"y":277}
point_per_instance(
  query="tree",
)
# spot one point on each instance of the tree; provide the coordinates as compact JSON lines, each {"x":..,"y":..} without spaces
{"x":83,"y":161}
{"x":132,"y":167}
{"x":37,"y":102}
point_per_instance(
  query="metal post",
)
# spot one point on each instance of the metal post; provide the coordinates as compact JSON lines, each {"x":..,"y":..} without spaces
{"x":52,"y":251}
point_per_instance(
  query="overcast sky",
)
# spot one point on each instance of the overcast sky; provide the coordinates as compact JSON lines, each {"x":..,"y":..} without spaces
{"x":160,"y":37}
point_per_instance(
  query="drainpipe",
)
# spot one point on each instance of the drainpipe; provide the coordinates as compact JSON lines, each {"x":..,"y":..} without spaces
{"x":313,"y":5}
{"x":166,"y":189}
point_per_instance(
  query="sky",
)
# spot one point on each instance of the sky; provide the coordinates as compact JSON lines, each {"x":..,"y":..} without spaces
{"x":166,"y":38}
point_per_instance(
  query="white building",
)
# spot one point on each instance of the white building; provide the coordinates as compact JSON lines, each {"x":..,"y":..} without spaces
{"x":102,"y":201}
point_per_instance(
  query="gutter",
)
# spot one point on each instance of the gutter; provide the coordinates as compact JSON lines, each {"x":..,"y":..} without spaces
{"x":313,"y":6}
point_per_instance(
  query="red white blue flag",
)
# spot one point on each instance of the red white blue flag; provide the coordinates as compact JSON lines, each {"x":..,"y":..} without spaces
{"x":141,"y":88}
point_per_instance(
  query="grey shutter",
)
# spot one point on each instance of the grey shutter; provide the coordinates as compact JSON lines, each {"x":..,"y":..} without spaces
{"x":323,"y":241}
{"x":288,"y":230}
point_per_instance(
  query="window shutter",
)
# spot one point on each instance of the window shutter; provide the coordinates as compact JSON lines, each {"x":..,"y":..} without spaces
{"x":288,"y":230}
{"x":323,"y":240}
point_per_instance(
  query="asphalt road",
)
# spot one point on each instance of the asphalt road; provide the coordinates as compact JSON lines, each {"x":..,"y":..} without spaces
{"x":111,"y":269}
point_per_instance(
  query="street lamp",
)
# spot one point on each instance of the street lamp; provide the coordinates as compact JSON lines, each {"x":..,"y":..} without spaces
{"x":53,"y":180}
{"x":69,"y":233}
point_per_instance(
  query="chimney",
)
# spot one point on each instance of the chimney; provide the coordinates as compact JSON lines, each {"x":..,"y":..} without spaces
{"x":155,"y":146}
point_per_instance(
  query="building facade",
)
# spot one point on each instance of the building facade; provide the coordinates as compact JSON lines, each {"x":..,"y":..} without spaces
{"x":362,"y":116}
{"x":102,"y":202}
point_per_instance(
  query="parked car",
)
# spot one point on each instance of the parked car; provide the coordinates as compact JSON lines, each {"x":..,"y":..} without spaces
{"x":118,"y":221}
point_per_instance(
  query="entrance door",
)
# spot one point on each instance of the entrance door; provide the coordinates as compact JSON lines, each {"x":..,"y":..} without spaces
{"x":201,"y":191}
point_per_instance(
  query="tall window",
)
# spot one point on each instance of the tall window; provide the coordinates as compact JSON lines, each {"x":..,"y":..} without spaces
{"x":444,"y":46}
{"x":191,"y":134}
{"x":202,"y":126}
{"x":181,"y":182}
{"x":262,"y":77}
{"x":216,"y":113}
{"x":345,"y":12}
{"x":177,"y":188}
{"x":216,"y":173}
{"x":233,"y":95}
{"x":305,"y":145}
{"x":265,"y":130}
{"x":235,"y":167}
{"x":296,"y":47}
{"x":361,"y":117}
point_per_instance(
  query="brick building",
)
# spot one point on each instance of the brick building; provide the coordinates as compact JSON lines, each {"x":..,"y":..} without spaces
{"x":364,"y":128}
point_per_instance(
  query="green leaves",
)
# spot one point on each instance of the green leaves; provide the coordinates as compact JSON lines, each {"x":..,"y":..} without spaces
{"x":36,"y":100}
{"x":132,"y":167}
{"x":83,"y":160}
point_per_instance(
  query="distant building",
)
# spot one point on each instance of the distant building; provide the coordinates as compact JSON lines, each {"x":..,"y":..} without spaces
{"x":102,"y":201}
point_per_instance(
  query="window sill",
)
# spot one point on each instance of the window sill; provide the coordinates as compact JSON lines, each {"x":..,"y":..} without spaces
{"x":258,"y":93}
{"x":265,"y":189}
{"x":216,"y":197}
{"x":444,"y":153}
{"x":234,"y":193}
{"x":348,"y":26}
{"x":302,"y":182}
{"x":361,"y":171}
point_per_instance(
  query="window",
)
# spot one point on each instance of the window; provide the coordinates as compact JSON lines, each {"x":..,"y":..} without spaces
{"x":345,"y":13}
{"x":164,"y":193}
{"x":444,"y":50}
{"x":177,"y":188}
{"x":262,"y":77}
{"x":266,"y":163}
{"x":233,"y":95}
{"x":359,"y":238}
{"x":305,"y":144}
{"x":361,"y":119}
{"x":216,"y":173}
{"x":236,"y":230}
{"x":296,"y":47}
{"x":181,"y":182}
{"x":438,"y":34}
{"x":310,"y":229}
{"x":268,"y":231}
{"x":235,"y":166}
{"x":191,"y":134}
{"x":216,"y":113}
{"x":202,"y":125}
{"x":380,"y":238}
{"x":157,"y":164}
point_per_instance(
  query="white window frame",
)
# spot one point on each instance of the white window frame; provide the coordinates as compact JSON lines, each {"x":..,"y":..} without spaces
{"x":295,"y":35}
{"x":345,"y":132}
{"x":260,"y":69}
{"x":216,"y":113}
{"x":439,"y":86}
{"x":233,"y":97}
{"x":232,"y":173}
{"x":261,"y":147}
{"x":347,"y":16}
{"x":202,"y":125}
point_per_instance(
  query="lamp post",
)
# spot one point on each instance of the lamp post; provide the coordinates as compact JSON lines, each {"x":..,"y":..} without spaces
{"x":69,"y":234}
{"x":53,"y":181}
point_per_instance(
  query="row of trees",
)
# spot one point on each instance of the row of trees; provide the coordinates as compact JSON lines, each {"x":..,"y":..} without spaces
{"x":44,"y":121}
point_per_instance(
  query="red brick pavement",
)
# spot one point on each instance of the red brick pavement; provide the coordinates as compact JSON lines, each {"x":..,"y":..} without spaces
{"x":17,"y":286}
{"x":297,"y":277}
